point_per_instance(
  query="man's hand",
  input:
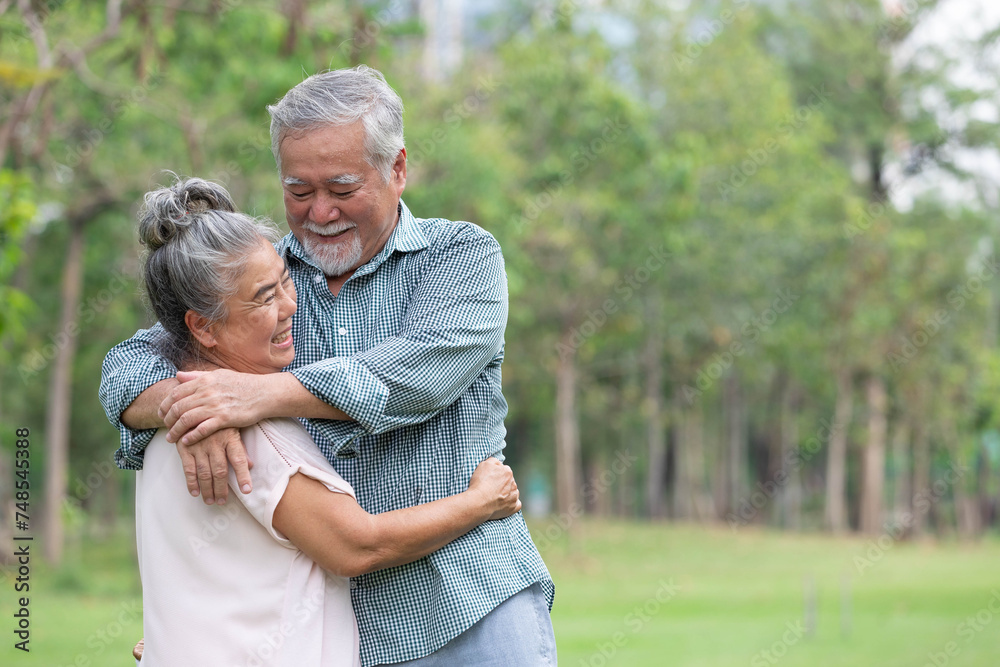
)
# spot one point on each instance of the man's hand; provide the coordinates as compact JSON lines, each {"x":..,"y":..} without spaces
{"x":206,"y":465}
{"x":205,"y":402}
{"x":495,"y":485}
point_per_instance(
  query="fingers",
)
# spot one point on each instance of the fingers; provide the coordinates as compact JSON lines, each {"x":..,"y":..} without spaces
{"x":203,"y":472}
{"x":236,"y":452}
{"x":211,"y":468}
{"x":179,"y":392}
{"x":190,"y":471}
{"x":187,"y":376}
{"x":208,"y":427}
{"x":219,"y":463}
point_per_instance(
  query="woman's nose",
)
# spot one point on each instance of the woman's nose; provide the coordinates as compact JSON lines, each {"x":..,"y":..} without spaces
{"x":288,"y":302}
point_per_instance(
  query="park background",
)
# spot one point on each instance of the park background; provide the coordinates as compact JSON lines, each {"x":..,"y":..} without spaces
{"x":753,"y":353}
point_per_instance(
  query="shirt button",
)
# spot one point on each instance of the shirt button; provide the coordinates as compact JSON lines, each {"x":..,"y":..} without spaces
{"x":354,"y":584}
{"x":318,"y":278}
{"x":342,"y":331}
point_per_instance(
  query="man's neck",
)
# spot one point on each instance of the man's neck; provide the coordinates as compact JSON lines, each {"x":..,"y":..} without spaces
{"x":336,"y":282}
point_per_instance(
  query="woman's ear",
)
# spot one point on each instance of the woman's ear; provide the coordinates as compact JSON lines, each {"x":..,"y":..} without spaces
{"x":201,"y":328}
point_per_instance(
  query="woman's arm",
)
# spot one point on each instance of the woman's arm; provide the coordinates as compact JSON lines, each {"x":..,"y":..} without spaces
{"x":333,"y":530}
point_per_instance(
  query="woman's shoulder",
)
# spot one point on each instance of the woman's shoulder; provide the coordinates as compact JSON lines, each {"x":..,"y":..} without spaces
{"x":292,"y":442}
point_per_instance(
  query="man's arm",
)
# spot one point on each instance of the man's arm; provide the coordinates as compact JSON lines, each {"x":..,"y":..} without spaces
{"x":129,"y":369}
{"x":203,"y":402}
{"x":454,"y":327}
{"x":134,"y":381}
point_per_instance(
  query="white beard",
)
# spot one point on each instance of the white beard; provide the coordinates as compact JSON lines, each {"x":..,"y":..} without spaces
{"x":335,"y":260}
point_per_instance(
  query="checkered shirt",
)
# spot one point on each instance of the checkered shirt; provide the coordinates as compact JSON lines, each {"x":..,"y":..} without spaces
{"x":411,"y":349}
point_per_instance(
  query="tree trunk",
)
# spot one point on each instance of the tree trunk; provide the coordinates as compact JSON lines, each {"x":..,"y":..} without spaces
{"x":901,"y":493}
{"x":921,"y":474}
{"x":568,"y":465}
{"x":690,"y":491}
{"x":295,"y":12}
{"x":873,"y":463}
{"x":736,"y":441}
{"x":600,"y":481}
{"x":836,"y":459}
{"x":430,"y":65}
{"x":791,"y":492}
{"x":683,"y":490}
{"x":7,"y":517}
{"x":60,"y":396}
{"x":655,"y":436}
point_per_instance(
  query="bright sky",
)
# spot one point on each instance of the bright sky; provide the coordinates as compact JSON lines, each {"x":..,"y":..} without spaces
{"x":954,"y":24}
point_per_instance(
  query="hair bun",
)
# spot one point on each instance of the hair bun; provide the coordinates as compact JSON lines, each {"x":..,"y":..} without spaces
{"x":164,"y":213}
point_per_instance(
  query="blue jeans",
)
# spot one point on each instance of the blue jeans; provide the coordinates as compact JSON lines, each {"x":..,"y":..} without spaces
{"x":517,"y":633}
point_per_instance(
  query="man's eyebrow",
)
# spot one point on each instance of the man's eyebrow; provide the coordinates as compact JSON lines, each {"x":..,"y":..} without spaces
{"x":344,"y":179}
{"x":291,"y":180}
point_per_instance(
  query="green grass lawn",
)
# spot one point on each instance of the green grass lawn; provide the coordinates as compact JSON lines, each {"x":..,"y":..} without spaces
{"x":640,"y":594}
{"x":739,"y":599}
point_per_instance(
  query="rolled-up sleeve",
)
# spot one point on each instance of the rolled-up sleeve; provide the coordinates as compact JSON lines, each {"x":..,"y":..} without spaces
{"x":129,"y":369}
{"x":453,"y":328}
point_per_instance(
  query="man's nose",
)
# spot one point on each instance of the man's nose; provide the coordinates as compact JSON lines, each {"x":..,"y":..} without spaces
{"x":325,"y":210}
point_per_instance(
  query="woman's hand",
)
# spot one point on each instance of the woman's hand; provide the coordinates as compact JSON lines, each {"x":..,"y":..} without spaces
{"x":494,"y":483}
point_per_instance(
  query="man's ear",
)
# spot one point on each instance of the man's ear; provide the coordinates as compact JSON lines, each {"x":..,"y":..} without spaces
{"x":399,"y":171}
{"x":201,"y":328}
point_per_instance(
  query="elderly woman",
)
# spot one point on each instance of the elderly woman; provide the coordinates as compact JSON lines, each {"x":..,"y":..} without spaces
{"x":263,"y":581}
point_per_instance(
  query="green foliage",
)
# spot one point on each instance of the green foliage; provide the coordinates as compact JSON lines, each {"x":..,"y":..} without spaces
{"x":657,"y":190}
{"x":15,"y":217}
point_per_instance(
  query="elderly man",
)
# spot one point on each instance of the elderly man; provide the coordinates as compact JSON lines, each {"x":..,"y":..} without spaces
{"x":399,"y":341}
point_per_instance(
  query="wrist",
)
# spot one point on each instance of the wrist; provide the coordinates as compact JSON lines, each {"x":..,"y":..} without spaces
{"x":477,"y":498}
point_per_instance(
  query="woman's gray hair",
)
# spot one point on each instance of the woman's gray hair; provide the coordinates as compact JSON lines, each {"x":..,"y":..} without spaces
{"x":342,"y":97}
{"x":197,"y":246}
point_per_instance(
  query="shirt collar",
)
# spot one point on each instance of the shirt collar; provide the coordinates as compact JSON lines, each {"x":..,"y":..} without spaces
{"x":406,"y":237}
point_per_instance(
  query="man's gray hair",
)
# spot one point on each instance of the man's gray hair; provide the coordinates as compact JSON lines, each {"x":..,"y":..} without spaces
{"x":197,"y":246}
{"x":342,"y":97}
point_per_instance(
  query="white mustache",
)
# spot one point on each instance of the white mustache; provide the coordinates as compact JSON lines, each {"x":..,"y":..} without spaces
{"x":331,"y":229}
